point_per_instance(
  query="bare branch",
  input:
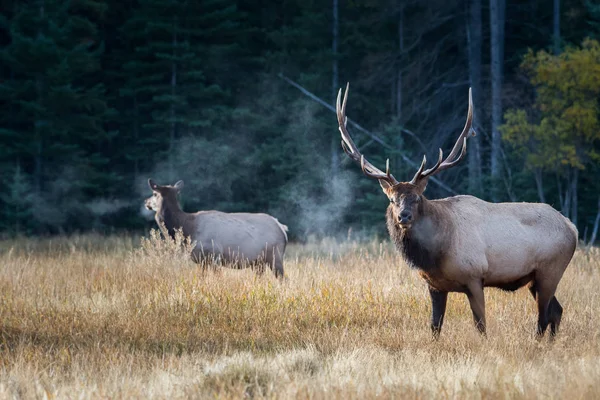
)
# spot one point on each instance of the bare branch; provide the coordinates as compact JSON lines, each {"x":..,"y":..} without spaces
{"x":452,"y":159}
{"x":366,"y":132}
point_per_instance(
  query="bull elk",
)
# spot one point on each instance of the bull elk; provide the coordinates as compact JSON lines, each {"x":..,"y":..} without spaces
{"x":238,"y":239}
{"x":463,"y":244}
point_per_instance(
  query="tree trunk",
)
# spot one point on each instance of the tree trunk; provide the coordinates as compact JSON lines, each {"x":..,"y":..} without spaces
{"x":393,"y":96}
{"x":172,"y":111}
{"x":596,"y":223}
{"x":497,"y":10}
{"x":39,"y":147}
{"x":39,"y":136}
{"x":136,"y":133}
{"x":566,"y":197}
{"x":540,"y":185}
{"x":17,"y":181}
{"x":335,"y":84}
{"x":398,"y":85}
{"x":556,"y":27}
{"x":474,"y":38}
{"x":566,"y":209}
{"x":399,"y":62}
{"x":561,"y":198}
{"x":574,"y":195}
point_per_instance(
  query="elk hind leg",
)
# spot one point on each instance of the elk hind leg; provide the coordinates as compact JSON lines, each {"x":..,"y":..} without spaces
{"x":542,"y":309}
{"x":274,"y":258}
{"x":545,"y":293}
{"x":258,"y":267}
{"x":553,"y":310}
{"x":279,"y":268}
{"x":477,"y":303}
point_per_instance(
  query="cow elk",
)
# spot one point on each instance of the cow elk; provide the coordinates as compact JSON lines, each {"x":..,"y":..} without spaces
{"x":463,"y":244}
{"x":237,"y":239}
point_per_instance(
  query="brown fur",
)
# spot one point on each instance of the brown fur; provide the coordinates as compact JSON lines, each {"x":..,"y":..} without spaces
{"x":238,"y":239}
{"x":463,"y":244}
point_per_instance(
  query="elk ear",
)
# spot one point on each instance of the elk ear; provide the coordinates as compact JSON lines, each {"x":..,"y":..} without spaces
{"x":422,"y":185}
{"x":385,"y":185}
{"x":387,"y":189}
{"x":152,"y":184}
{"x":178,"y":185}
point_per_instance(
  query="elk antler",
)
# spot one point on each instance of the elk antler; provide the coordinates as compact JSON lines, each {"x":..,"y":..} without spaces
{"x":350,"y":148}
{"x":451,"y":160}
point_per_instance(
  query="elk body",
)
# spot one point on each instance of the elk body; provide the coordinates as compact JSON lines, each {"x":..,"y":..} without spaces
{"x":463,"y":244}
{"x":238,"y":239}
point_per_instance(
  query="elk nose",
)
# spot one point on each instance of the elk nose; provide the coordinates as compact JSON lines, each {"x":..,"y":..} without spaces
{"x":405,"y":217}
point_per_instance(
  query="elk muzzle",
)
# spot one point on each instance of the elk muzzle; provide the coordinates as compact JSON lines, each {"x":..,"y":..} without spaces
{"x":405,"y":219}
{"x":148,"y":204}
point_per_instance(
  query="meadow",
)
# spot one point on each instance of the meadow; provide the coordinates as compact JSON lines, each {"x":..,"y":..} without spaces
{"x":112,"y":317}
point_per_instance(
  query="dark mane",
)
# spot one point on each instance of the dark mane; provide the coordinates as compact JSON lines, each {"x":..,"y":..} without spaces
{"x":173,"y":217}
{"x":414,"y":252}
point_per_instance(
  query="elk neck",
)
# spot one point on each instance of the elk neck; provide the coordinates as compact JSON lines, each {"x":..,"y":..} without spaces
{"x":423,"y":245}
{"x":172,"y":216}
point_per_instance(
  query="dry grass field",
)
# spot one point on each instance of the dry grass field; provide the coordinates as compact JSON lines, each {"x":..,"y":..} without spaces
{"x":97,"y":317}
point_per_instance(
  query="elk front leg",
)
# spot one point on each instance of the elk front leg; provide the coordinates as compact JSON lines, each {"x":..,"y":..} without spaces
{"x":438,"y":309}
{"x":477,"y":302}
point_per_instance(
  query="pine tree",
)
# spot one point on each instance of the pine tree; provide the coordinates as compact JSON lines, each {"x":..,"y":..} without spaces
{"x":18,"y":203}
{"x":175,"y":79}
{"x":56,"y":103}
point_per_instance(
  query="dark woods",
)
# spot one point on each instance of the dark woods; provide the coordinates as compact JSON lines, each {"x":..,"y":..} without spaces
{"x":97,"y":96}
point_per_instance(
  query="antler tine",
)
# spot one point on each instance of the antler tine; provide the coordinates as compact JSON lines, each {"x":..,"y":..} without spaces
{"x":350,"y":147}
{"x":347,"y":142}
{"x":437,"y":164}
{"x":463,"y":151}
{"x":466,"y":130}
{"x":421,"y":174}
{"x":419,"y":171}
{"x":344,"y":103}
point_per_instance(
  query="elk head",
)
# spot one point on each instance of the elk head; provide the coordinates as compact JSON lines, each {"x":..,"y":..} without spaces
{"x":160,"y":194}
{"x":406,"y":198}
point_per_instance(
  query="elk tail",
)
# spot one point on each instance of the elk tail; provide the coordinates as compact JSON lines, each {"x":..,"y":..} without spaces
{"x":283,"y":228}
{"x":573,"y":228}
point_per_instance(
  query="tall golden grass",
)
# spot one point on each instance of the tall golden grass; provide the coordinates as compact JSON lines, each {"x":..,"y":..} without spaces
{"x":113,"y":317}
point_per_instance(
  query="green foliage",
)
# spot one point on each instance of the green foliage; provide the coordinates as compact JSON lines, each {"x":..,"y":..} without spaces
{"x":55,"y":108}
{"x":560,"y":133}
{"x":565,"y":130}
{"x":99,"y":95}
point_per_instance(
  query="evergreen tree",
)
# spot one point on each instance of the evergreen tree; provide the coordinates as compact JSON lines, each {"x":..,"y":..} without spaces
{"x":56,"y":102}
{"x":174,"y":80}
{"x":18,"y":203}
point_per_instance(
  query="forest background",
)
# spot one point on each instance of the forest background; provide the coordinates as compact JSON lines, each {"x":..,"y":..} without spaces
{"x":98,"y":96}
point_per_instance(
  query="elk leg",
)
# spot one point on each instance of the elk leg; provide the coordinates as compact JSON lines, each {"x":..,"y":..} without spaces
{"x":258,"y":267}
{"x":543,"y":303}
{"x":543,"y":311}
{"x":438,"y":309}
{"x":275,"y":261}
{"x":477,"y":302}
{"x":548,"y":307}
{"x":555,"y":311}
{"x":533,"y":290}
{"x":279,"y":268}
